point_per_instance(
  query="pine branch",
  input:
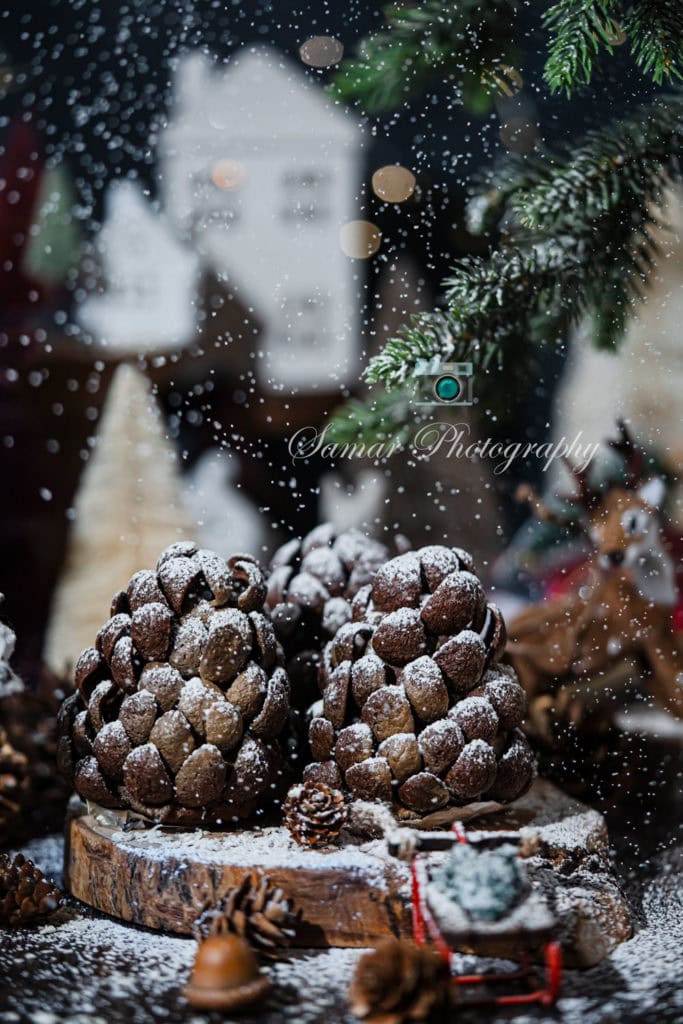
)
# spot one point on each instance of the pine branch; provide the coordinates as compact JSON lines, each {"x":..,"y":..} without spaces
{"x":469,"y":41}
{"x":622,"y":164}
{"x":655,"y":28}
{"x":425,"y":336}
{"x":464,"y":39}
{"x":578,"y":30}
{"x":532,"y":281}
{"x":493,"y":189}
{"x":382,"y":417}
{"x":580,"y":225}
{"x":482,"y":293}
{"x":603,"y":193}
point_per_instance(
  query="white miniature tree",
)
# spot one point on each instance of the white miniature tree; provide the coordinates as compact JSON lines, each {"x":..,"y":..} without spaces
{"x":129,"y":506}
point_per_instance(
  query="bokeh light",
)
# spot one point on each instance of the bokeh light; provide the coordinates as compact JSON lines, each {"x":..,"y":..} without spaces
{"x":228,"y":174}
{"x":360,"y":239}
{"x":393,"y":184}
{"x":321,"y":51}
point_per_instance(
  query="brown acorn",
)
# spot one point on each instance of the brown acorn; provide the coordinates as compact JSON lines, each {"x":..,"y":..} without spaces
{"x":226,"y":976}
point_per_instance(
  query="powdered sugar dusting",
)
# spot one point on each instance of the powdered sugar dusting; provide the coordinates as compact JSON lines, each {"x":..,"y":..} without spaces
{"x":86,"y":969}
{"x":403,"y":569}
{"x":572,"y":834}
{"x":468,"y":638}
{"x":266,"y":847}
{"x":478,"y":751}
{"x":403,"y":618}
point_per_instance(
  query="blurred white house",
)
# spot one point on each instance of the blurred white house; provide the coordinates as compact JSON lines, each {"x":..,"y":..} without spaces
{"x":151,"y":278}
{"x":259,"y":171}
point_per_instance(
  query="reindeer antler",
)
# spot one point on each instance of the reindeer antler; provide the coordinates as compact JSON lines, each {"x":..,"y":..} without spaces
{"x":585,"y":495}
{"x":526,"y":494}
{"x":630,"y":452}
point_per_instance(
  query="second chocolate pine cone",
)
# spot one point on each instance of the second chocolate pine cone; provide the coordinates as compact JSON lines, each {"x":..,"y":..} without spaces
{"x":311,"y":584}
{"x":416,"y":707}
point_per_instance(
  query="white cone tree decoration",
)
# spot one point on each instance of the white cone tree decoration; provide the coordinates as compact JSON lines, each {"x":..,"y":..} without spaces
{"x":128,"y":508}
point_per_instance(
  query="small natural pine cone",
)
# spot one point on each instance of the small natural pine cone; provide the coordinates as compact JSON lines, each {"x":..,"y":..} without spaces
{"x":314,"y":813}
{"x":257,"y":911}
{"x":30,"y":720}
{"x":14,"y":787}
{"x":399,"y":982}
{"x":25,"y":893}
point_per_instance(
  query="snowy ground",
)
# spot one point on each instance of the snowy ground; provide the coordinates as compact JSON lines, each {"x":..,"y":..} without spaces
{"x":84,"y":967}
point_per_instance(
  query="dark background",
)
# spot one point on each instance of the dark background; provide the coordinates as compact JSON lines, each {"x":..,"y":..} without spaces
{"x":92,"y":80}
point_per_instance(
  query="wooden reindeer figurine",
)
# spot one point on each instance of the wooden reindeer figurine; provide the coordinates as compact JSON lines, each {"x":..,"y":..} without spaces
{"x":623,"y":611}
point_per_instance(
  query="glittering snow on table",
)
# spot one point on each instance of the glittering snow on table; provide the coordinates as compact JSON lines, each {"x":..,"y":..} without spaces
{"x":83,"y":967}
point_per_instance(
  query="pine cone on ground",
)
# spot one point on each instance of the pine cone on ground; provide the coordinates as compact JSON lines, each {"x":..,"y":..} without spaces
{"x":416,"y":707}
{"x":314,"y":814}
{"x":14,"y":789}
{"x":399,"y":981}
{"x":257,"y":911}
{"x":9,"y":680}
{"x":25,"y":893}
{"x":181,"y":706}
{"x":312,"y":581}
{"x":29,"y":717}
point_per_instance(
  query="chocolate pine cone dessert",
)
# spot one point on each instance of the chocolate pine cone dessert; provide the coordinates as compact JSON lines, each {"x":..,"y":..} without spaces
{"x":311,"y":584}
{"x":416,"y":707}
{"x":181,"y":706}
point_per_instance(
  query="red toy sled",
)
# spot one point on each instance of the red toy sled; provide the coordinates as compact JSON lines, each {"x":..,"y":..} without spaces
{"x":532,"y":925}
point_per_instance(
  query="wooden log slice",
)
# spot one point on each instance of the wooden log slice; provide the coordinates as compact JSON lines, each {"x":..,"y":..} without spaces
{"x":163,"y":880}
{"x":348,"y":896}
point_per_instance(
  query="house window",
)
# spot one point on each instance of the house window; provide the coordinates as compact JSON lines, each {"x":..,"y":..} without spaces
{"x":212,"y":207}
{"x":305,"y":319}
{"x":305,"y":195}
